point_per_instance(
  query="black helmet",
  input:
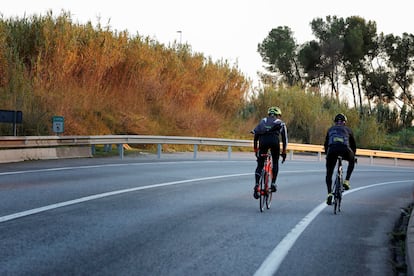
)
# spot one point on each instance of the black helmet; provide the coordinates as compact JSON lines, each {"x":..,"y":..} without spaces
{"x":340,"y":118}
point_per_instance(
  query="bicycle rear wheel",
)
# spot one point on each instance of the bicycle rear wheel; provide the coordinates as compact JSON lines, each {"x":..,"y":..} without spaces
{"x":337,"y":195}
{"x":262,"y":185}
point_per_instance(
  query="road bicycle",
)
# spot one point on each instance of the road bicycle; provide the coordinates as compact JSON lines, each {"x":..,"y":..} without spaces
{"x":265,"y":191}
{"x":338,"y":187}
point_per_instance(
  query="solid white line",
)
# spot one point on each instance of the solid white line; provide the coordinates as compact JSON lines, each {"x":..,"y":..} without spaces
{"x":98,"y":196}
{"x":276,"y":257}
{"x":93,"y":166}
{"x":272,"y":263}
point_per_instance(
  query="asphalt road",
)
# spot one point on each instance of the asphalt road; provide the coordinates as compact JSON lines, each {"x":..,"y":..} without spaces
{"x":178,"y":216}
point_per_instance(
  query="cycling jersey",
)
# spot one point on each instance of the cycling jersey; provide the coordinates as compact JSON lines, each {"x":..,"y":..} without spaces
{"x":340,"y":136}
{"x":268,"y":130}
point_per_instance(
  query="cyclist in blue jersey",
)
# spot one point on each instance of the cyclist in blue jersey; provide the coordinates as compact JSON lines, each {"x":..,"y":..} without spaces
{"x":266,"y":136}
{"x":339,"y":141}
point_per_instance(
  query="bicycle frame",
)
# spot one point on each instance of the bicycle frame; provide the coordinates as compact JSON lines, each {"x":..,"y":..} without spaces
{"x":268,"y":165}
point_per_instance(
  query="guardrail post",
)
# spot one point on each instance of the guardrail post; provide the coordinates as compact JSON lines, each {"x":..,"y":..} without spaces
{"x":121,"y":150}
{"x":319,"y":156}
{"x":371,"y":160}
{"x":159,"y":150}
{"x":107,"y":147}
{"x":229,"y":152}
{"x":395,"y":161}
{"x":195,"y":151}
{"x":93,"y":150}
{"x":291,"y":155}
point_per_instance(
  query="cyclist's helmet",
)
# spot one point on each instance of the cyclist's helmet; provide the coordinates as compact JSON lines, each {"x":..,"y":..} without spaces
{"x":274,"y":110}
{"x":340,"y":118}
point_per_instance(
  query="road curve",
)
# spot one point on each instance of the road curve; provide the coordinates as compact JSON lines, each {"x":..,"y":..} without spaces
{"x":179,"y":216}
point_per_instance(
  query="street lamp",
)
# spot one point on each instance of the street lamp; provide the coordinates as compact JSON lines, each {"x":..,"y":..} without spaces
{"x":181,"y":35}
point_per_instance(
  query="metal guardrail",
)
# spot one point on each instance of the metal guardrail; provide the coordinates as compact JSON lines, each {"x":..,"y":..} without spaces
{"x":19,"y":142}
{"x":53,"y":141}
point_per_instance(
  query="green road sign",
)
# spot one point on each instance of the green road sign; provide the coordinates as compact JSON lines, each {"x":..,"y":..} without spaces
{"x":58,"y":124}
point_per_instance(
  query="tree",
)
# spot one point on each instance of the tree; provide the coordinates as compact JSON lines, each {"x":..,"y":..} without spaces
{"x":278,"y":50}
{"x":377,"y":85}
{"x":360,"y":49}
{"x":400,"y":52}
{"x":310,"y":59}
{"x":350,"y":52}
{"x":330,"y":34}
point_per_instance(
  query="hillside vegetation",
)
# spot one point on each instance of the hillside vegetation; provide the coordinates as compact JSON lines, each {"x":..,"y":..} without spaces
{"x":109,"y":82}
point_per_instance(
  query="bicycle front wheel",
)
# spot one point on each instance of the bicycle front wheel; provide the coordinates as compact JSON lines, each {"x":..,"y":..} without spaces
{"x":262,"y":200}
{"x":269,"y":199}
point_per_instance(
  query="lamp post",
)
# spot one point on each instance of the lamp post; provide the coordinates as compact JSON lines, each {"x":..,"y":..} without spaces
{"x":181,"y":35}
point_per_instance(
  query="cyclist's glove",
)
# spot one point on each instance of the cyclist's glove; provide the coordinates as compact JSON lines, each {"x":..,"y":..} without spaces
{"x":283,"y":154}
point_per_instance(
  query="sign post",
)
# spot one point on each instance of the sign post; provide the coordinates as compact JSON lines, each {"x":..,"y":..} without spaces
{"x":11,"y":116}
{"x":58,"y":123}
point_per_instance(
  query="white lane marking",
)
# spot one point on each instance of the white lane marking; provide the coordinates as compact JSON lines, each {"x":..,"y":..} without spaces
{"x":272,"y":263}
{"x":391,"y":169}
{"x":94,"y":166}
{"x":102,"y":195}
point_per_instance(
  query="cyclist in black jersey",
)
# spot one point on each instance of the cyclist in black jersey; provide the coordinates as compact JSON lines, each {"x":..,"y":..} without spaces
{"x":339,"y":141}
{"x":266,"y":136}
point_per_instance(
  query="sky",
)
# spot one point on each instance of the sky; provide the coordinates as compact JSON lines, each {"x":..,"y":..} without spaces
{"x":221,"y":29}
